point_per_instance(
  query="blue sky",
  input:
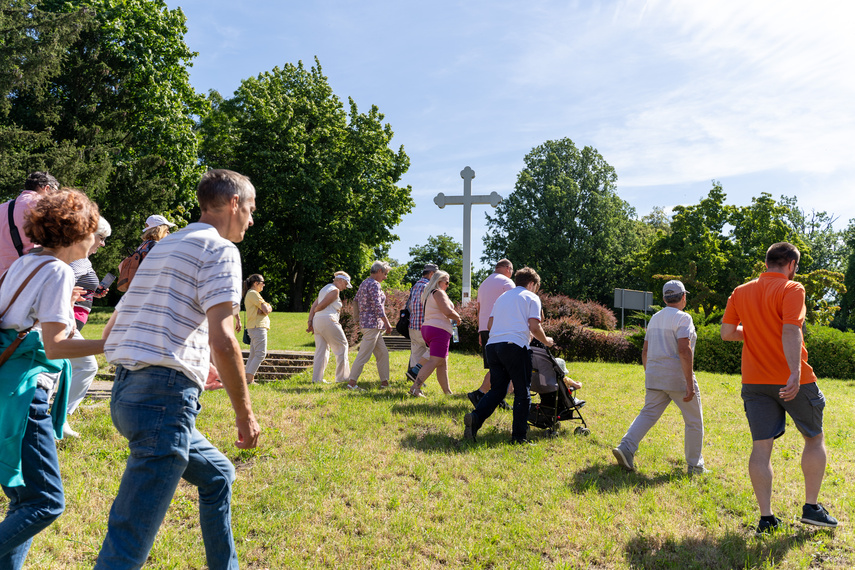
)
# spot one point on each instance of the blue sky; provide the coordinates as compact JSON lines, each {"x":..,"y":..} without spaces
{"x":759,"y":95}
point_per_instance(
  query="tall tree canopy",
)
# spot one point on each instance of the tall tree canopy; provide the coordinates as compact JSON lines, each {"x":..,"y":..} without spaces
{"x":445,"y":253}
{"x":565,"y":219}
{"x":326,"y":178}
{"x":97,"y":92}
{"x":714,"y":247}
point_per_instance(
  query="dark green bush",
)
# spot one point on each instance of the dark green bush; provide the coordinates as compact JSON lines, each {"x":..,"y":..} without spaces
{"x":715,"y":355}
{"x":574,"y":341}
{"x":831,"y":352}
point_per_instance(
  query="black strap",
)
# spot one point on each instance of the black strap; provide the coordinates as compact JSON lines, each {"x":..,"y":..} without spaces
{"x":13,"y":229}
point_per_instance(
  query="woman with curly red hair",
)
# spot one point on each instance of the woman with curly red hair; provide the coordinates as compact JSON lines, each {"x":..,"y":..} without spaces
{"x":37,"y":293}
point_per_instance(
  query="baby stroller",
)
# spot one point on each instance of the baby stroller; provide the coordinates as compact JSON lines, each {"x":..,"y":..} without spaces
{"x":557,"y":402}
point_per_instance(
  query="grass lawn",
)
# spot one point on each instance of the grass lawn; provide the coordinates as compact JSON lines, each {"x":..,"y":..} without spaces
{"x":382,"y":480}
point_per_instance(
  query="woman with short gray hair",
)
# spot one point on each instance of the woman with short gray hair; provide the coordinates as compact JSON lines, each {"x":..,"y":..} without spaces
{"x":373,"y":321}
{"x":323,"y":323}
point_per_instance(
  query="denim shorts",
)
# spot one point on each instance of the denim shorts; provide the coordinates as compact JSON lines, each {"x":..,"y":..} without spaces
{"x":766,"y":411}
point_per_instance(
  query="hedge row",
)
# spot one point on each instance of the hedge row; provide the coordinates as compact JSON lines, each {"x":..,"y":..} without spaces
{"x":831,"y":352}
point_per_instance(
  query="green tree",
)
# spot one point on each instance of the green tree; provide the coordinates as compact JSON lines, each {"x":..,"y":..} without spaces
{"x":565,"y":219}
{"x":714,"y":247}
{"x":116,"y":118}
{"x":326,"y":178}
{"x":447,"y":254}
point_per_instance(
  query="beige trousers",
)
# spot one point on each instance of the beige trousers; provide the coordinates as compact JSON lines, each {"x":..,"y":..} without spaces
{"x":418,"y":348}
{"x":329,"y":336}
{"x":372,"y":343}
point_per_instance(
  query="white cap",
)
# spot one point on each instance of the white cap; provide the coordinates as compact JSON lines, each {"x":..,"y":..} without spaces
{"x":156,"y":220}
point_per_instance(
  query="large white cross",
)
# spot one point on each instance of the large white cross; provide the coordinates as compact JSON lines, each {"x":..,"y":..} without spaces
{"x":441,"y":200}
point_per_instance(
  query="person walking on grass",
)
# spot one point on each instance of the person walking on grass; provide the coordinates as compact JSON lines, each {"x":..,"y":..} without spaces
{"x":436,"y":330}
{"x":329,"y":335}
{"x":766,"y":315}
{"x":37,"y":292}
{"x":514,"y":320}
{"x":179,"y":311}
{"x":418,"y":348}
{"x":668,"y":357}
{"x":257,"y":323}
{"x":373,"y":320}
{"x":490,"y":289}
{"x":14,"y":241}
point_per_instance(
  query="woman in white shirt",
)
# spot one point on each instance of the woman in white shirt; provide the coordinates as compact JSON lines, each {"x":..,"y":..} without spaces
{"x":323,"y":322}
{"x":257,"y":323}
{"x":64,"y":224}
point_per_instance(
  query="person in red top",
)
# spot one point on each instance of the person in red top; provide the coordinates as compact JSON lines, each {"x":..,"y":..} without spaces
{"x":767,"y":314}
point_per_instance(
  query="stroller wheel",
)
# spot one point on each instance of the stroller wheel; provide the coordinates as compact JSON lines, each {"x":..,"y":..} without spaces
{"x":582,"y":431}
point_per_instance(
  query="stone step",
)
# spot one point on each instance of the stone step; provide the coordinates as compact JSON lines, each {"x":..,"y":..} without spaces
{"x":395,"y":342}
{"x":277,"y":365}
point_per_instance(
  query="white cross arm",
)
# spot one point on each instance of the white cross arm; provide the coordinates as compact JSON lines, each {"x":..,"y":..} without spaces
{"x":442,"y":200}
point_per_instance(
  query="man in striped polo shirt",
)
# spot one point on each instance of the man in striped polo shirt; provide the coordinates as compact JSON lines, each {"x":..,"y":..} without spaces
{"x":177,"y":313}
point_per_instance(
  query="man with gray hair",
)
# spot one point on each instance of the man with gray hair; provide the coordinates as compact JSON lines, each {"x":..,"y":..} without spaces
{"x":177,"y":313}
{"x":418,"y":348}
{"x":13,"y":241}
{"x":668,"y":358}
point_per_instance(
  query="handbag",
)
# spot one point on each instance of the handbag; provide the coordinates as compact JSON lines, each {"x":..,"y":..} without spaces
{"x":246,"y":339}
{"x":21,"y":334}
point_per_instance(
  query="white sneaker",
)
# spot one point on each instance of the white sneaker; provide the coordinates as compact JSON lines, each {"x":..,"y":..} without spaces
{"x":68,"y":432}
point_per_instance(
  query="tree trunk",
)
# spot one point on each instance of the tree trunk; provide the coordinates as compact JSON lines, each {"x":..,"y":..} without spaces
{"x":298,"y":278}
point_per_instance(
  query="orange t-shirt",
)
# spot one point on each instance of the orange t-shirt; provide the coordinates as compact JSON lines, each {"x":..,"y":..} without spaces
{"x":764,"y":306}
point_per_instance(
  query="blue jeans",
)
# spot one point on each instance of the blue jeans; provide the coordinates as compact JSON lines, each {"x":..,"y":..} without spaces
{"x":508,"y":363}
{"x":40,"y":501}
{"x":155,"y":408}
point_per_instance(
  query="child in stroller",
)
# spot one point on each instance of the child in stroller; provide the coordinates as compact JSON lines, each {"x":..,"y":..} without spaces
{"x":557,"y":391}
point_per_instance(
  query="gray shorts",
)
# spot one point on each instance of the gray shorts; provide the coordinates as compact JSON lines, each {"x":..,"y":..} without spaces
{"x":766,"y":411}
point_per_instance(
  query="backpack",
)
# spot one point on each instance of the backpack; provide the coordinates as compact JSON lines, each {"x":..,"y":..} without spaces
{"x":128,"y":267}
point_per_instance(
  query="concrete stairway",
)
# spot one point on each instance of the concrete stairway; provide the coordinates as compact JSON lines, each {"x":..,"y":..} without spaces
{"x":395,"y":341}
{"x":278,"y":365}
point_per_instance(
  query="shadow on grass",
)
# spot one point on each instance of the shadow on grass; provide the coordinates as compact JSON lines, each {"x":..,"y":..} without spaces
{"x":733,"y":550}
{"x":612,"y":478}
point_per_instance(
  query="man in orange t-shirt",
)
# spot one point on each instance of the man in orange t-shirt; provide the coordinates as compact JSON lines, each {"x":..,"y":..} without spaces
{"x":777,"y":380}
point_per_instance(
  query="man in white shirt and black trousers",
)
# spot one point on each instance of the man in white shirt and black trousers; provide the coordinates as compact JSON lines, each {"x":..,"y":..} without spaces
{"x":514,"y":320}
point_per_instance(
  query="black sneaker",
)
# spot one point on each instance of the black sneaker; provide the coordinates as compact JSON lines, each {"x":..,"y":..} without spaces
{"x":817,"y":516}
{"x":504,"y":405}
{"x":469,"y":431}
{"x":578,"y":403}
{"x":523,"y":441}
{"x":767,"y":527}
{"x":475,"y":397}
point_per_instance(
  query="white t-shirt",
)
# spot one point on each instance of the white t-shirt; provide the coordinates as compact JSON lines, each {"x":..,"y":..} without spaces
{"x":161,"y":320}
{"x":332,"y":309}
{"x":490,"y":289}
{"x":664,"y":371}
{"x":511,"y":313}
{"x":47,"y":298}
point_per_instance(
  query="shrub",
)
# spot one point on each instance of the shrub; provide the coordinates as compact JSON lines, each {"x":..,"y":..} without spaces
{"x":715,"y":355}
{"x":574,"y":341}
{"x":831,"y":352}
{"x":589,"y":313}
{"x":467,"y":329}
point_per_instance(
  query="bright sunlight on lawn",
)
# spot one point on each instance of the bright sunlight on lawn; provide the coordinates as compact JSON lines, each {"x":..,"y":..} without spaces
{"x":382,"y":480}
